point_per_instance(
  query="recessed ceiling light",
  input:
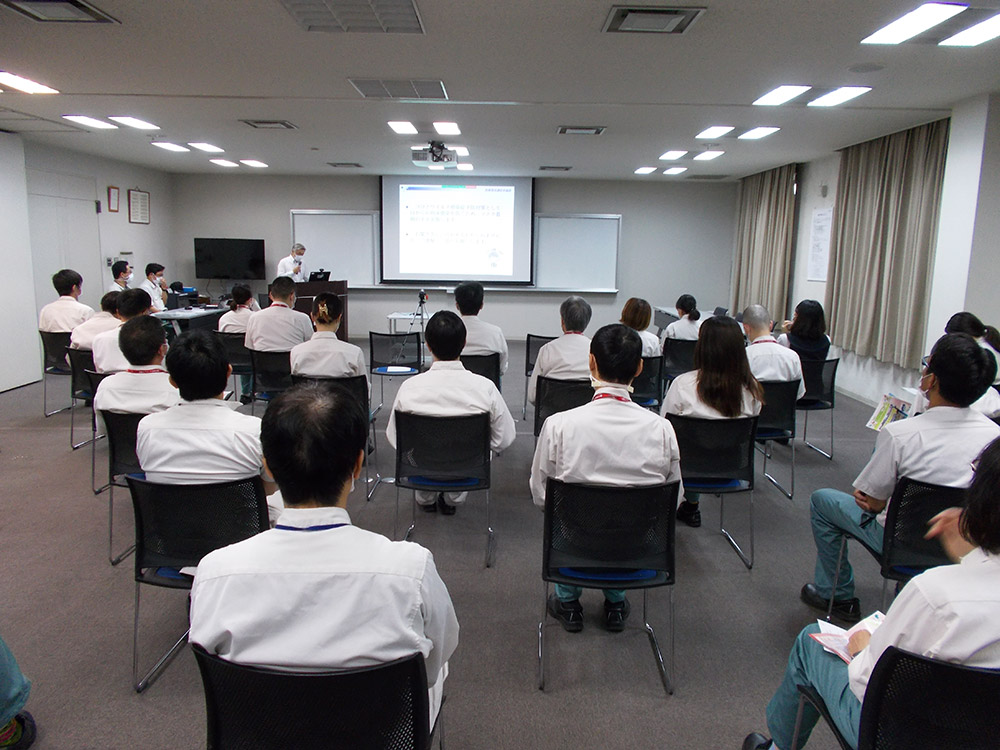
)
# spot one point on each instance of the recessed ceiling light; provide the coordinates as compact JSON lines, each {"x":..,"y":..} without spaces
{"x":755,"y":134}
{"x":708,"y":155}
{"x":436,"y":167}
{"x":134,"y":122}
{"x":981,"y":32}
{"x":402,"y":127}
{"x":207,"y":147}
{"x":59,"y":11}
{"x":839,"y":96}
{"x":167,"y":146}
{"x":716,"y":131}
{"x":671,"y":155}
{"x":781,"y":95}
{"x":253,"y":163}
{"x":90,"y":122}
{"x":447,"y":128}
{"x":465,"y":167}
{"x":645,"y":170}
{"x":460,"y":150}
{"x":915,"y":22}
{"x":224,"y":162}
{"x":24,"y":84}
{"x":675,"y":170}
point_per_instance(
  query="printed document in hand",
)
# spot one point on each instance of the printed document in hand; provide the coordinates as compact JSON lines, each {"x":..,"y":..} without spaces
{"x":834,"y":639}
{"x":890,"y":409}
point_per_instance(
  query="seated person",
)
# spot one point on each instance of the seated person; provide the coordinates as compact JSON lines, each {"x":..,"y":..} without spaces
{"x":108,"y":357}
{"x":278,"y":328}
{"x":938,"y":447}
{"x":121,"y":273}
{"x":690,"y":320}
{"x":987,"y":336}
{"x":805,"y":333}
{"x":106,"y":320}
{"x":17,"y":726}
{"x":324,"y":355}
{"x":240,"y":310}
{"x":720,"y":387}
{"x":449,"y":390}
{"x":316,"y":592}
{"x":155,"y":286}
{"x":768,"y":359}
{"x":636,"y":315}
{"x":145,"y":386}
{"x":566,"y":357}
{"x":480,"y":337}
{"x":67,"y":312}
{"x":584,"y":445}
{"x":949,"y":613}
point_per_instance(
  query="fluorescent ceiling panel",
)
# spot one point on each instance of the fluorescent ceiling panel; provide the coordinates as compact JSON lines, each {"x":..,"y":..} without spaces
{"x":675,"y":170}
{"x":167,"y":146}
{"x":645,"y":170}
{"x":460,"y":150}
{"x":927,"y":16}
{"x":447,"y":128}
{"x":716,"y":131}
{"x":90,"y":122}
{"x":975,"y":35}
{"x":709,"y":155}
{"x":24,"y":84}
{"x":839,"y":96}
{"x":465,"y":167}
{"x":207,"y":148}
{"x":671,"y":155}
{"x":253,"y":163}
{"x":755,"y":134}
{"x":402,"y":127}
{"x":224,"y":162}
{"x":134,"y":122}
{"x":781,"y":95}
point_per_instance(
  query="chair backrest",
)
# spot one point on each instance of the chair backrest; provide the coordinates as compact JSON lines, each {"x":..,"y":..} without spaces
{"x":553,"y":396}
{"x":721,"y":311}
{"x":777,"y":414}
{"x":609,"y":528}
{"x":356,"y":384}
{"x":382,"y":707}
{"x":678,"y":357}
{"x":531,"y":346}
{"x":443,"y":450}
{"x":913,"y":701}
{"x":487,"y":365}
{"x":714,"y":450}
{"x":647,"y":389}
{"x":239,"y":355}
{"x":395,"y":350}
{"x":121,"y":430}
{"x":81,"y":360}
{"x":272,"y":371}
{"x":263,"y":300}
{"x":178,"y":524}
{"x":820,"y":377}
{"x":94,"y":379}
{"x":54,"y":345}
{"x":905,"y":552}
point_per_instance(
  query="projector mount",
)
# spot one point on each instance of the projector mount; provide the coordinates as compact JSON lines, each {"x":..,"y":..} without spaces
{"x":434,"y":155}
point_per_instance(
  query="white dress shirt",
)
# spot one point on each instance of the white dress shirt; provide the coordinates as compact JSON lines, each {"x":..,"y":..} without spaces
{"x":684,"y":328}
{"x":996,"y":355}
{"x":277,"y":328}
{"x":683,"y":400}
{"x":769,"y":360}
{"x":326,"y":356}
{"x":141,"y":389}
{"x":988,"y":404}
{"x":650,"y":344}
{"x":564,"y":358}
{"x":63,"y":315}
{"x":334,"y":598}
{"x":108,"y":355}
{"x":155,"y":292}
{"x":286,"y":267}
{"x":83,"y":335}
{"x":484,"y":338}
{"x":611,"y":441}
{"x":949,"y":613}
{"x":447,"y":389}
{"x":235,"y":321}
{"x":114,"y":286}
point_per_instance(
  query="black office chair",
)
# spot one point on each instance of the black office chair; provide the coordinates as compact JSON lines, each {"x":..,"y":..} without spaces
{"x":717,"y":457}
{"x":720,"y":311}
{"x":777,"y":422}
{"x":177,"y":525}
{"x":553,"y":396}
{"x":121,"y":431}
{"x":487,"y":365}
{"x":443,"y":454}
{"x":610,"y":537}
{"x":820,"y":378}
{"x":81,"y":360}
{"x":647,"y":389}
{"x":394,"y":354}
{"x":913,"y":701}
{"x":93,"y":381}
{"x":238,"y":354}
{"x":905,"y":552}
{"x":54,"y":345}
{"x":382,"y":707}
{"x":531,"y":346}
{"x":271,"y":374}
{"x":678,"y":357}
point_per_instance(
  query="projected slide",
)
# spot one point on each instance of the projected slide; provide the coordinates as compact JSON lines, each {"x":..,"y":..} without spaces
{"x":466,"y":230}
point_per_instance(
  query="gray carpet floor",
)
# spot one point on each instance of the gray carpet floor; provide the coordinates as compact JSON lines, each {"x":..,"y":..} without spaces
{"x":67,"y":614}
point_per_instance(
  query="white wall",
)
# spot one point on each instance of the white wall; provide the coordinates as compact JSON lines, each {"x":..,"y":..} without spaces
{"x":984,"y":268}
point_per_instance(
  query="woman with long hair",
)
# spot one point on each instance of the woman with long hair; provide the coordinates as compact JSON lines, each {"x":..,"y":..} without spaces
{"x":720,"y":387}
{"x":636,"y":315}
{"x":987,"y":336}
{"x":690,"y":320}
{"x":805,"y":333}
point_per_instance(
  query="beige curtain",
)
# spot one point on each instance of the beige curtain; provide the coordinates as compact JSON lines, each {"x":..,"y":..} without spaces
{"x":881,"y":245}
{"x":764,"y":241}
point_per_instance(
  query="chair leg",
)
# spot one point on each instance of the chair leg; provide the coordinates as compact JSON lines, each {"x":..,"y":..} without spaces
{"x":798,"y":722}
{"x":491,"y":543}
{"x":45,"y":397}
{"x":767,"y":454}
{"x":885,"y":590}
{"x":112,"y":557}
{"x":820,"y":451}
{"x":373,"y":484}
{"x":524,"y":406}
{"x":541,"y":637}
{"x":748,"y":561}
{"x":836,"y":576}
{"x":664,"y":677}
{"x":140,"y":684}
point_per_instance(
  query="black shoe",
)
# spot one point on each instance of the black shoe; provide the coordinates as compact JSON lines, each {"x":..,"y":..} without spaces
{"x":569,"y":614}
{"x":688,"y":513}
{"x":28,"y":732}
{"x":246,"y":400}
{"x":848,"y":610}
{"x":615,"y":615}
{"x":430,"y":507}
{"x":446,"y":510}
{"x":756,"y":741}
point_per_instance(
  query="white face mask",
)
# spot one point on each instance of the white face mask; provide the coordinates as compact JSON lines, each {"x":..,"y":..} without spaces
{"x":128,"y":278}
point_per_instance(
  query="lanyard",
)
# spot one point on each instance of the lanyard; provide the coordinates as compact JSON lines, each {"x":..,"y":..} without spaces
{"x":322,"y":527}
{"x":278,"y":304}
{"x":599,"y":396}
{"x":144,"y":372}
{"x":764,"y":341}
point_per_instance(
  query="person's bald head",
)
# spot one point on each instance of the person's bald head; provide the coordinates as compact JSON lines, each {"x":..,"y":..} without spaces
{"x":756,"y":321}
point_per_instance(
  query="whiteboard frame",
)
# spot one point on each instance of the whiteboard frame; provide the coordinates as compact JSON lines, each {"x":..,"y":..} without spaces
{"x":535,"y":234}
{"x":376,"y":233}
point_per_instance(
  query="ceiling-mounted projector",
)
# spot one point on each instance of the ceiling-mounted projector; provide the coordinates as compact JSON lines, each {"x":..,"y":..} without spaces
{"x":435,"y":155}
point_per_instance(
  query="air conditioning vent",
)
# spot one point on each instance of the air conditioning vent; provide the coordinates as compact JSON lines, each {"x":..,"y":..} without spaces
{"x":351,"y":16}
{"x":59,"y":11}
{"x":374,"y":88}
{"x":554,"y":169}
{"x":707,"y":177}
{"x":650,"y":20}
{"x":581,"y":129}
{"x":270,"y":124}
{"x":344,"y":164}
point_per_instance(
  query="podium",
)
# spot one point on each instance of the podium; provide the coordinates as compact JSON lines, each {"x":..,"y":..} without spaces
{"x":305,"y":291}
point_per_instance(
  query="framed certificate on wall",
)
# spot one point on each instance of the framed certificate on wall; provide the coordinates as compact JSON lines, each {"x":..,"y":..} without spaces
{"x":138,"y":207}
{"x":113,"y":197}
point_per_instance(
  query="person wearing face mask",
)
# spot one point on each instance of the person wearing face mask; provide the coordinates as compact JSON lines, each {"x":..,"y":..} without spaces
{"x":292,"y":266}
{"x":938,"y":447}
{"x":155,"y":286}
{"x":121,"y":273}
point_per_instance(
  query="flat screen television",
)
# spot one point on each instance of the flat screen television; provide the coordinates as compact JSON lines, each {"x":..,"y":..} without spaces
{"x":227,"y":258}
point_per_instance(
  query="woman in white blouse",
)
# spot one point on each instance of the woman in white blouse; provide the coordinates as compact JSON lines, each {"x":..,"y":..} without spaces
{"x":690,"y":321}
{"x":240,"y":310}
{"x":636,"y":315}
{"x":721,"y":387}
{"x":324,"y":355}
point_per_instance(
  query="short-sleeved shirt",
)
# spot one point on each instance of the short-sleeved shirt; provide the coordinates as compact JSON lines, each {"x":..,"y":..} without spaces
{"x":63,"y":315}
{"x":141,"y":389}
{"x":683,"y":400}
{"x":484,"y":338}
{"x":770,"y":361}
{"x":83,"y":335}
{"x":326,"y":356}
{"x":235,"y":321}
{"x":277,"y":328}
{"x":108,"y":355}
{"x":684,"y":329}
{"x":564,"y":358}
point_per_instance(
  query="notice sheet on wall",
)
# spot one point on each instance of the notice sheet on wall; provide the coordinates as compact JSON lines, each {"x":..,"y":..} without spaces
{"x":819,"y":243}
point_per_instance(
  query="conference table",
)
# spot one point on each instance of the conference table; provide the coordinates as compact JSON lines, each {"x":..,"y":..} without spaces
{"x":186,"y":318}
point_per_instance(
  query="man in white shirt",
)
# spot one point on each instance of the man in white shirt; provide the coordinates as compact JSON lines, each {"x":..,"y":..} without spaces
{"x":566,"y":357}
{"x":108,"y":356}
{"x":292,"y":265}
{"x":145,"y":386}
{"x":316,"y":592}
{"x":449,"y":390}
{"x":155,"y":286}
{"x":278,"y":328}
{"x":67,"y":312}
{"x":938,"y":447}
{"x":612,"y":441}
{"x":121,"y":273}
{"x":768,"y":359}
{"x":106,"y":320}
{"x":480,"y":337}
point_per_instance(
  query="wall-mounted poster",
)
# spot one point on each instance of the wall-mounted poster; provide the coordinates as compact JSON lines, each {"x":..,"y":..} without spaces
{"x":113,"y":199}
{"x":138,"y":207}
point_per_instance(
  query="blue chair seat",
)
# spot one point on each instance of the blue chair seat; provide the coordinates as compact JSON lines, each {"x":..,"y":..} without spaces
{"x":400,"y":371}
{"x":601,"y":574}
{"x":432,"y":482}
{"x":722,"y":484}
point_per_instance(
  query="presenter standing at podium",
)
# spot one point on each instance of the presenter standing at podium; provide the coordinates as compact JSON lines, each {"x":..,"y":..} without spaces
{"x":292,"y":266}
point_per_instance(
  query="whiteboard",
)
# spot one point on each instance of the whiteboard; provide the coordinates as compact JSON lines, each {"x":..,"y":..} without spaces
{"x":577,"y":252}
{"x":342,"y":242}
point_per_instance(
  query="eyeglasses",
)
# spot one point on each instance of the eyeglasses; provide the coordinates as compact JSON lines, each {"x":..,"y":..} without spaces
{"x":925,"y":364}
